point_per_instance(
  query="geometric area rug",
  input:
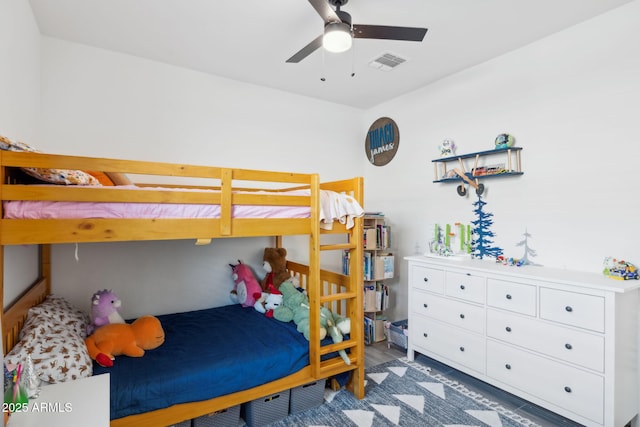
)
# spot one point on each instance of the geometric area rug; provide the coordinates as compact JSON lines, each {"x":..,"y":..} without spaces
{"x":404,"y":393}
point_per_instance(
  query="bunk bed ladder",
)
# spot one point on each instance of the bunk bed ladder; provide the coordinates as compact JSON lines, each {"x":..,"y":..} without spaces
{"x":346,"y":299}
{"x":341,"y":294}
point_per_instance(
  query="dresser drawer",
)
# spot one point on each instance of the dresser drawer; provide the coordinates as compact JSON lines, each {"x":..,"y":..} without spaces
{"x":581,"y":310}
{"x":575,"y":390}
{"x":465,"y":286}
{"x":427,"y":279}
{"x":580,"y":348}
{"x":457,"y":313}
{"x":465,"y":348}
{"x":512,"y":296}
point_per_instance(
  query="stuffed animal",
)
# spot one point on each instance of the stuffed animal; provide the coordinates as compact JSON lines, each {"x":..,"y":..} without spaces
{"x":246,"y":289}
{"x":145,"y":333}
{"x":336,"y":326}
{"x":295,"y":306}
{"x":105,"y":309}
{"x":268,"y":302}
{"x":275,"y":264}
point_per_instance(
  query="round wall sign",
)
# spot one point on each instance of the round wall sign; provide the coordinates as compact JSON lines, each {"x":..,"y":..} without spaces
{"x":383,"y":139}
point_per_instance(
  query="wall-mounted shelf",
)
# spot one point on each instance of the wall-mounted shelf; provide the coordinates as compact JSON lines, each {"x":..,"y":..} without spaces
{"x":507,"y":163}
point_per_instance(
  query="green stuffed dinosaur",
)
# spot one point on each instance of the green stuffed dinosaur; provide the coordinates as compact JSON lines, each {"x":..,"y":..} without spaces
{"x":295,"y":306}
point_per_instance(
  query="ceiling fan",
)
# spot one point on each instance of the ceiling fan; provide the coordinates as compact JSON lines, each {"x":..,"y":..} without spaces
{"x":339,"y":32}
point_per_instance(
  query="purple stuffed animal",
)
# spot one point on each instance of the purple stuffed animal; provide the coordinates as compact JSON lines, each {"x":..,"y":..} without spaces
{"x":105,"y":309}
{"x":246,"y":289}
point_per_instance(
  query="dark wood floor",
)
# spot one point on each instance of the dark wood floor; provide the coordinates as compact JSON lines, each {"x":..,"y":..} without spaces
{"x":380,"y":352}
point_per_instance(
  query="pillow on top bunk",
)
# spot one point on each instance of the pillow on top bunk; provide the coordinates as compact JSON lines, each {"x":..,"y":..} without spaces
{"x":53,"y":335}
{"x":53,"y":176}
{"x":102,"y":178}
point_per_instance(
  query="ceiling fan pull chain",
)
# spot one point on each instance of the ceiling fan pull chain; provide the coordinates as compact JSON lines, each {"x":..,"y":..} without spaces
{"x":323,"y":68}
{"x":353,"y":60}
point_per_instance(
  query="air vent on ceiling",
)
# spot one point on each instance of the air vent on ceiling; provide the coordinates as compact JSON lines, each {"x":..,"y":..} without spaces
{"x":387,"y":62}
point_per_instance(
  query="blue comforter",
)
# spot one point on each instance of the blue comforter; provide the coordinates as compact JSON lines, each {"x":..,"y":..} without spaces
{"x":206,"y":353}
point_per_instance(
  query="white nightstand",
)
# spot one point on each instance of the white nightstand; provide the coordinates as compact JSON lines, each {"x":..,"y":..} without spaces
{"x":83,"y":402}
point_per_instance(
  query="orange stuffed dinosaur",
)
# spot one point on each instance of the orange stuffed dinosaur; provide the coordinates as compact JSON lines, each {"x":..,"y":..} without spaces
{"x":133,"y":339}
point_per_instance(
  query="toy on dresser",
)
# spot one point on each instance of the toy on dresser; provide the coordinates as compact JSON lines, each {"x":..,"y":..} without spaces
{"x":105,"y":309}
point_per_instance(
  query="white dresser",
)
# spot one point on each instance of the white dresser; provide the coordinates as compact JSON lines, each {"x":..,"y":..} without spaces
{"x":566,"y":341}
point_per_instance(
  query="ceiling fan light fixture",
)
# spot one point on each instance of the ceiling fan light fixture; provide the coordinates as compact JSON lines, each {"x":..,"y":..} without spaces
{"x":337,"y":37}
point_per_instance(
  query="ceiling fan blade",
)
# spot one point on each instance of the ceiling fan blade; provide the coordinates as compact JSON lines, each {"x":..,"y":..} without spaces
{"x":307,"y":50}
{"x":325,"y":11}
{"x":390,"y":33}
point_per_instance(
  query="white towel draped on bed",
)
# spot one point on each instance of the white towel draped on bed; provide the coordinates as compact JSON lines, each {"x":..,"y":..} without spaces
{"x":338,"y":207}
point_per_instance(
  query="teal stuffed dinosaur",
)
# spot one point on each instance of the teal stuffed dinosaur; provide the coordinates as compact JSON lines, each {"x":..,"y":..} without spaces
{"x":295,"y":306}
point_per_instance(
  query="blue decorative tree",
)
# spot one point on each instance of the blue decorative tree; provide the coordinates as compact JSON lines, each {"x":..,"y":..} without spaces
{"x":481,"y":245}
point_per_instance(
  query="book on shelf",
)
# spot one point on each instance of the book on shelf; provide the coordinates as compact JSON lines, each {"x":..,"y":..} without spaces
{"x":378,"y":267}
{"x":374,"y":330}
{"x":387,"y":266}
{"x":378,"y":237}
{"x":346,"y":258}
{"x":376,"y":297}
{"x":370,"y":238}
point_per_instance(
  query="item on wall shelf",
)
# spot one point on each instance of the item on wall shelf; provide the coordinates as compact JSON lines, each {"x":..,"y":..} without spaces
{"x":509,"y":167}
{"x":504,"y":140}
{"x":481,"y":245}
{"x":447,"y":148}
{"x":619,"y":269}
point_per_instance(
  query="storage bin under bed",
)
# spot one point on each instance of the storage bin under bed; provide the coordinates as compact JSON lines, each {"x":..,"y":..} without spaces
{"x":229,"y":417}
{"x":306,"y":396}
{"x":267,"y":409}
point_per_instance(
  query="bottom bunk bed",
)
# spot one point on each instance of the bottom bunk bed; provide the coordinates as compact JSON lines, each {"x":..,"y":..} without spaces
{"x":211,"y":359}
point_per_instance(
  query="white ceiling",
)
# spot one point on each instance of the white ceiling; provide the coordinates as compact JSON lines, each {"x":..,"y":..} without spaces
{"x":250,"y":40}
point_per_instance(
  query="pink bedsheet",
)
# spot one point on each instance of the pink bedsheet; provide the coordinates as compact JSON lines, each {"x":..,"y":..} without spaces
{"x":334,"y":207}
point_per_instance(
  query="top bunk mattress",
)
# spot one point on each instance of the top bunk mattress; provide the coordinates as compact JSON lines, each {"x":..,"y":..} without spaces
{"x":333,"y":207}
{"x":206,"y":354}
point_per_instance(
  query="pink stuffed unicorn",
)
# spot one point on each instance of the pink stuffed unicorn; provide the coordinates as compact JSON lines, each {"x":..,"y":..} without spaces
{"x":246,"y":289}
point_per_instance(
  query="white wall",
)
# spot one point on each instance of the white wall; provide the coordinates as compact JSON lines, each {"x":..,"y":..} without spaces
{"x":571,"y":100}
{"x":19,"y":110}
{"x":100,"y":103}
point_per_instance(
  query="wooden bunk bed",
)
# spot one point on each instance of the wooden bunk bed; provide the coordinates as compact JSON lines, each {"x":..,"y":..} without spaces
{"x":341,"y":293}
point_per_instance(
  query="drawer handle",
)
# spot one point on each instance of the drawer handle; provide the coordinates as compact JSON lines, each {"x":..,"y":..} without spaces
{"x":425,"y":305}
{"x":461,"y":348}
{"x":426,"y":279}
{"x":568,"y":346}
{"x":508,"y":296}
{"x":462,"y":287}
{"x":508,"y":329}
{"x":462,"y":315}
{"x":569,"y":308}
{"x":507,"y":366}
{"x":425,"y":334}
{"x":567,"y":389}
